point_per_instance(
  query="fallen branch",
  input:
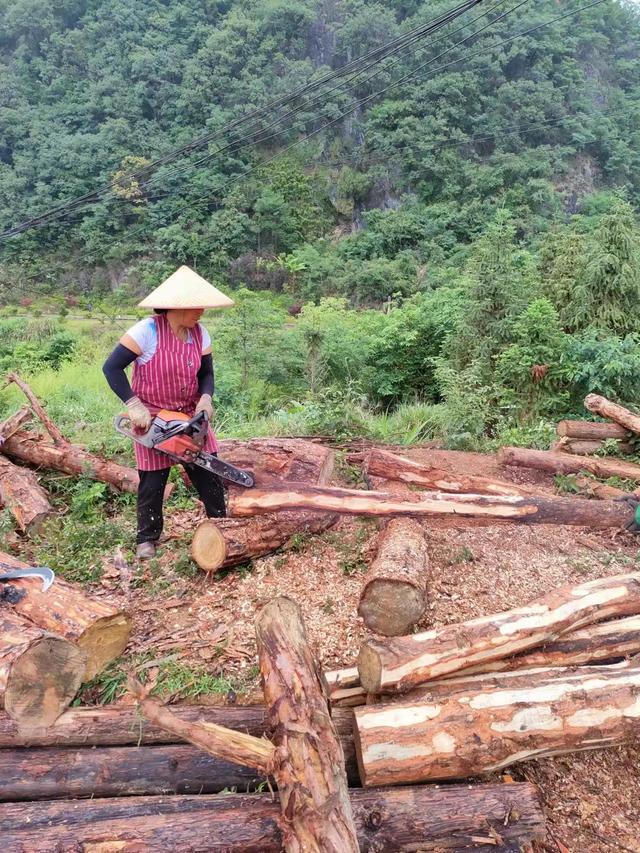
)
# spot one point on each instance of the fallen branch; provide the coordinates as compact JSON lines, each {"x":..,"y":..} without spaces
{"x":38,"y":408}
{"x":397,"y":664}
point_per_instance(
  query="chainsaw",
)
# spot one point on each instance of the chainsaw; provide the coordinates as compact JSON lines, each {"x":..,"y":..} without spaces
{"x":182,"y":439}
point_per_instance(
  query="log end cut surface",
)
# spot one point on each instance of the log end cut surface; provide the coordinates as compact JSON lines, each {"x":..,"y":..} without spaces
{"x":104,"y":641}
{"x":391,"y":607}
{"x":208,"y":547}
{"x":43,"y":681}
{"x":370,"y":669}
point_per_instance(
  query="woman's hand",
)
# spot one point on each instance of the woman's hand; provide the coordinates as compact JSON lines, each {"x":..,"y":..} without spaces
{"x":205,"y":405}
{"x":140,"y":416}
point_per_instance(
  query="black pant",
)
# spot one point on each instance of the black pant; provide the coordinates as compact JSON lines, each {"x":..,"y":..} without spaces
{"x":151,"y":493}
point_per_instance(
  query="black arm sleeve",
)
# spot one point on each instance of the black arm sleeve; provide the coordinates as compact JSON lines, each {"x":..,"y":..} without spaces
{"x":205,"y":375}
{"x":114,"y":368}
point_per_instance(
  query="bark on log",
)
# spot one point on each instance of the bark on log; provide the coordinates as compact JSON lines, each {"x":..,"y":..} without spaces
{"x":614,"y":412}
{"x":309,"y":767}
{"x":394,"y":596}
{"x":70,"y":459}
{"x":39,"y":673}
{"x":23,"y":496}
{"x":481,"y":731}
{"x":230,"y":541}
{"x":397,"y":664}
{"x":531,"y":510}
{"x":342,"y":687}
{"x":565,"y":463}
{"x":272,"y":459}
{"x":602,"y":491}
{"x":123,"y":726}
{"x":390,"y":466}
{"x":594,"y":430}
{"x":56,"y":436}
{"x":429,"y":819}
{"x":586,"y":447}
{"x":14,"y":422}
{"x":118,"y":771}
{"x":100,"y":630}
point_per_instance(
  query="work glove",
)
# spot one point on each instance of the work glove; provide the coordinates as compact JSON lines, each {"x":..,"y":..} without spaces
{"x":205,"y":405}
{"x":140,"y":416}
{"x":633,"y":501}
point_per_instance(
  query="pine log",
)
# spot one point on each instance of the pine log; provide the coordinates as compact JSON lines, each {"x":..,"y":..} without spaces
{"x":309,"y":768}
{"x":586,"y":447}
{"x":273,"y":459}
{"x":390,"y":466}
{"x":56,"y":436}
{"x":397,"y":664}
{"x":593,"y":430}
{"x":531,"y":510}
{"x":118,"y":771}
{"x":23,"y":496}
{"x":483,"y":730}
{"x":566,"y":463}
{"x":430,"y":819}
{"x":39,"y":672}
{"x":614,"y":412}
{"x":14,"y":422}
{"x":70,"y":459}
{"x":228,"y":542}
{"x":606,"y":642}
{"x":100,"y":630}
{"x":394,"y":595}
{"x":595,"y":489}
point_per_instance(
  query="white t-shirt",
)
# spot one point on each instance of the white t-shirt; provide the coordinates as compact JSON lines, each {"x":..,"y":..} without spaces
{"x":145,"y":334}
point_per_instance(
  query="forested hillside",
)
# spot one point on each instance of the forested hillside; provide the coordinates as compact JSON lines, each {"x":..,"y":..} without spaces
{"x":480,"y":185}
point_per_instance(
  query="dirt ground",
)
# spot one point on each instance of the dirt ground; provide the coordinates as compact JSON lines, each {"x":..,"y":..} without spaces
{"x":592,"y":800}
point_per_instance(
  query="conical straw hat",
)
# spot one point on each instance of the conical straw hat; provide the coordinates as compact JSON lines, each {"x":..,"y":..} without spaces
{"x":186,"y":289}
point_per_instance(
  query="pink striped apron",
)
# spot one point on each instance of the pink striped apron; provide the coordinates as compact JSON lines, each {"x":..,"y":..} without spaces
{"x":169,"y":380}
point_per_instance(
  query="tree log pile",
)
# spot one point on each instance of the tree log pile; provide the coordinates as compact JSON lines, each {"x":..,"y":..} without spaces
{"x":122,"y":766}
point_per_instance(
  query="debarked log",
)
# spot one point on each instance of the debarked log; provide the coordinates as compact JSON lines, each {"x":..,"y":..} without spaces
{"x":23,"y":496}
{"x":477,"y":731}
{"x":39,"y":672}
{"x":391,"y":466}
{"x":529,"y":510}
{"x":100,"y":630}
{"x":591,"y":430}
{"x":395,"y":592}
{"x":607,"y":409}
{"x":396,"y":664}
{"x":428,"y":818}
{"x":228,"y":542}
{"x":566,"y":463}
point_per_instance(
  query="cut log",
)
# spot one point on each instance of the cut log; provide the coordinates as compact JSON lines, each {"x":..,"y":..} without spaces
{"x":321,"y":818}
{"x":390,"y":466}
{"x":23,"y":496}
{"x":39,"y":673}
{"x":482,"y":731}
{"x":38,"y":408}
{"x":228,"y":542}
{"x":595,"y":489}
{"x":397,"y":664}
{"x":309,"y":769}
{"x":70,"y":459}
{"x":432,"y":820}
{"x":591,"y":430}
{"x":100,"y":630}
{"x":565,"y":463}
{"x":394,"y":596}
{"x":272,"y":459}
{"x":118,"y":771}
{"x":342,"y":687}
{"x":614,"y":412}
{"x":586,"y":447}
{"x":14,"y":422}
{"x":531,"y":510}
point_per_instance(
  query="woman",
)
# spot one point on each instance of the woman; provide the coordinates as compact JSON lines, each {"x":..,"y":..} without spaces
{"x":172,"y":369}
